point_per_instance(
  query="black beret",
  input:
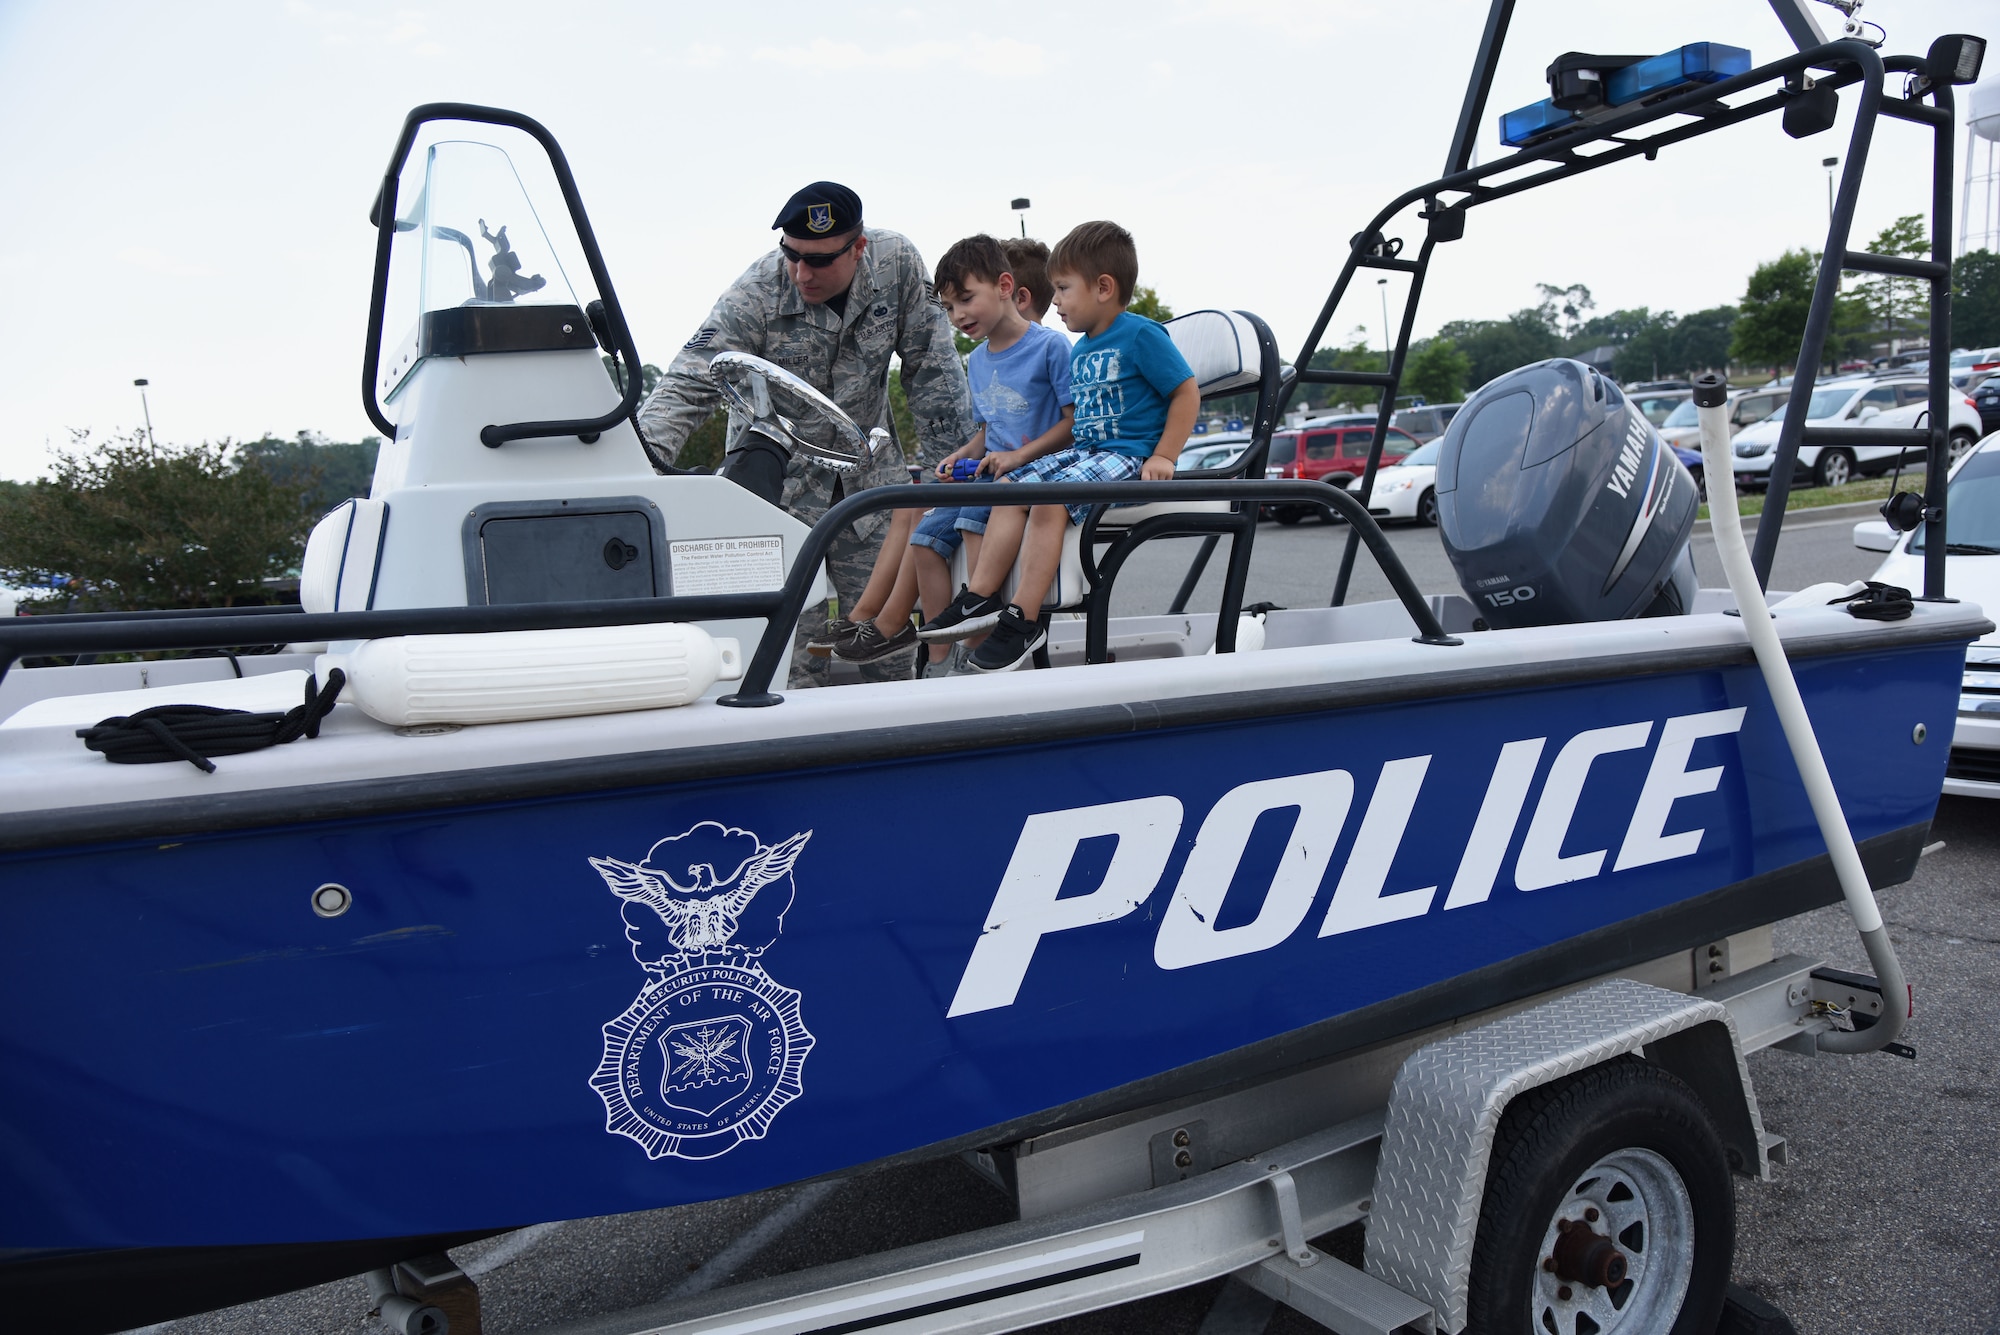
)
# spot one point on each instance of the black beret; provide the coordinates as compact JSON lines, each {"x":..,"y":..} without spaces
{"x":821,"y":209}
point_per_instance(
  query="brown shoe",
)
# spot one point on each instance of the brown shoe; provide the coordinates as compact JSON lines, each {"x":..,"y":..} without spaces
{"x":869,"y":645}
{"x":836,"y":631}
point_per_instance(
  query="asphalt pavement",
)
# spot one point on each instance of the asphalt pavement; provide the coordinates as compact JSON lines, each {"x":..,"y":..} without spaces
{"x":1887,"y":1218}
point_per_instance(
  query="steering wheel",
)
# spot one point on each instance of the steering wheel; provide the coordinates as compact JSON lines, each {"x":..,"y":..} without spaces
{"x":770,"y":400}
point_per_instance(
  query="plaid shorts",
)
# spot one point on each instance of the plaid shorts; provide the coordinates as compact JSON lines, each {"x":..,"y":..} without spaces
{"x":1079,"y":465}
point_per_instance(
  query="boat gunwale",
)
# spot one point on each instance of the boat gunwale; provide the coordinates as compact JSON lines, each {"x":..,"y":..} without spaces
{"x":34,"y":831}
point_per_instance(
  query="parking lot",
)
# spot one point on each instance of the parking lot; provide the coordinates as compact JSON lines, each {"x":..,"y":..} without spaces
{"x":1886,"y":1219}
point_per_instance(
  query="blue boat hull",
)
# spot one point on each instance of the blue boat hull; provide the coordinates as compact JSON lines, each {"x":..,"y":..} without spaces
{"x":537,"y":1009}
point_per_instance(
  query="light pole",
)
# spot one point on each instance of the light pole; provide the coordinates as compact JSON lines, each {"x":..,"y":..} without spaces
{"x":1020,"y":207}
{"x":147,"y":409}
{"x":1388,"y":353}
{"x":1829,"y":164}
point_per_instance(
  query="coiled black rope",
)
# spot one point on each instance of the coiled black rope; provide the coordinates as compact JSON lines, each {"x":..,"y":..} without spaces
{"x":195,"y":732}
{"x":1879,"y":602}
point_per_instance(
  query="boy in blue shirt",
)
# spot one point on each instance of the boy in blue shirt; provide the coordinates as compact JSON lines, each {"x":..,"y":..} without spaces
{"x":1136,"y":401}
{"x":1020,"y":376}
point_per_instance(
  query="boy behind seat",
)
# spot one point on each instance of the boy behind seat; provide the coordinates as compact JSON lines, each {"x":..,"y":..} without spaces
{"x":1020,"y":389}
{"x":1136,"y":401}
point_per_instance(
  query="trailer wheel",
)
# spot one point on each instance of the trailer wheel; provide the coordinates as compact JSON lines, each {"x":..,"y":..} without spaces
{"x":1608,"y":1208}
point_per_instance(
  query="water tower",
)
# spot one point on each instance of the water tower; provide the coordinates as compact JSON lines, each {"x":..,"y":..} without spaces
{"x":1979,"y":211}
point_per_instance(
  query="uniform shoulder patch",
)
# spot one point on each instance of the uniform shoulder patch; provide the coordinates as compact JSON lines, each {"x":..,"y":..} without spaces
{"x":701,"y":340}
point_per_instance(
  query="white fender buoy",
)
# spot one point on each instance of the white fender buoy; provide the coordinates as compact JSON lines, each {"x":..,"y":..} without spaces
{"x":508,"y":676}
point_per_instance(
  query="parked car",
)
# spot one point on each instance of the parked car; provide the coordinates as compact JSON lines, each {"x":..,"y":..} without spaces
{"x":1659,"y":404}
{"x":1896,"y":401}
{"x":1972,"y":574}
{"x":1975,"y":359}
{"x":1212,"y":451}
{"x":1408,"y":490}
{"x":1649,"y":386}
{"x":1747,"y":407}
{"x":1986,"y":402}
{"x":1328,"y":454}
{"x":1426,"y":422}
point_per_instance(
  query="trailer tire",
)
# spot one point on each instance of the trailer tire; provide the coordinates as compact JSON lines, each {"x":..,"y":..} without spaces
{"x":1625,"y":1147}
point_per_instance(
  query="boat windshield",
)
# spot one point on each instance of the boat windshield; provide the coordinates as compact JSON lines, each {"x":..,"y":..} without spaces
{"x":484,"y":244}
{"x":467,"y":235}
{"x":1973,"y":504}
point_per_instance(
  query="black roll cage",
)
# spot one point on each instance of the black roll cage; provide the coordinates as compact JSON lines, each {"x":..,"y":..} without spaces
{"x":1447,"y":200}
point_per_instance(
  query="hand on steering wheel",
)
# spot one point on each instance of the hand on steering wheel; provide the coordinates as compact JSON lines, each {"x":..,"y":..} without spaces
{"x":771,"y":400}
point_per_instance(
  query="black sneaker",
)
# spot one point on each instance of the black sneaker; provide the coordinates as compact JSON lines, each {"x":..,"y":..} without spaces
{"x":836,"y":631}
{"x":1011,"y":645}
{"x":869,"y":645}
{"x":968,"y":614}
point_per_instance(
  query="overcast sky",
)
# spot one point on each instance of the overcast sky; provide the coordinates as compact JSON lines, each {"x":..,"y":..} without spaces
{"x":187,"y":184}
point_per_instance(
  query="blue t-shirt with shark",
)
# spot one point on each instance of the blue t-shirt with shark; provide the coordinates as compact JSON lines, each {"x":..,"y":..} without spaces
{"x":1020,"y":393}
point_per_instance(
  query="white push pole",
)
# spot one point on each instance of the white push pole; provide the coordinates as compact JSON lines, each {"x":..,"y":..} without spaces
{"x":1710,"y":395}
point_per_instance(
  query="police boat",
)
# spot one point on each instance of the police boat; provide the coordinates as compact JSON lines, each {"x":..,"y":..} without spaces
{"x":516,"y":888}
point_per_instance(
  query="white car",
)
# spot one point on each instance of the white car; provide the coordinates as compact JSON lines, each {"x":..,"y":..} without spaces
{"x":1881,"y":402}
{"x":1212,"y":450}
{"x":1972,"y":574}
{"x":1407,"y":489}
{"x":1747,"y":407}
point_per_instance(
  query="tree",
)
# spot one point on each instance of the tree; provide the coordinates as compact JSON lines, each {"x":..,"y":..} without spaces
{"x":1700,"y":341}
{"x":1437,"y":371}
{"x":1898,"y":306}
{"x":327,"y":472}
{"x":1146,"y":302}
{"x":1975,"y":299}
{"x":1772,"y":322}
{"x":1356,"y":356}
{"x":1496,"y":347}
{"x":133,"y":526}
{"x":649,"y":376}
{"x":1562,"y":308}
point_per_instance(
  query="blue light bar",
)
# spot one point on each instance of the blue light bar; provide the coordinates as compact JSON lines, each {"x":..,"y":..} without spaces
{"x":1521,"y":127}
{"x":1697,"y":62}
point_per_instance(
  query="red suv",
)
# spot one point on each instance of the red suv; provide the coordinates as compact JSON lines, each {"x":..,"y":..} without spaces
{"x":1335,"y":454}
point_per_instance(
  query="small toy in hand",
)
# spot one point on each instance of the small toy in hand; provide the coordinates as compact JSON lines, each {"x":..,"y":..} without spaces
{"x":965,"y":470}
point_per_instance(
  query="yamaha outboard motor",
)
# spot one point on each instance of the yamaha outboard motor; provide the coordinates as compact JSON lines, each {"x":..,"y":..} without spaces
{"x":1559,"y":503}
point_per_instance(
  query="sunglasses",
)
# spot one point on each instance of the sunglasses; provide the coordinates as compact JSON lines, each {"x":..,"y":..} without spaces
{"x":817,"y":261}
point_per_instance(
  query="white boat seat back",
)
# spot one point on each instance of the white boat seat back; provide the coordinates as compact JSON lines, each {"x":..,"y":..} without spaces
{"x":1221,"y":349}
{"x":343,"y":557}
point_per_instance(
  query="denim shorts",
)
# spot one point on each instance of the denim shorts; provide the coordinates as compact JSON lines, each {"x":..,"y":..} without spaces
{"x":944,"y":527}
{"x":1079,"y":465}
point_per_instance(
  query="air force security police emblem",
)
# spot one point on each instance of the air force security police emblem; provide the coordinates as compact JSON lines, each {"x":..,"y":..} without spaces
{"x":819,"y":218}
{"x":711,"y":1049}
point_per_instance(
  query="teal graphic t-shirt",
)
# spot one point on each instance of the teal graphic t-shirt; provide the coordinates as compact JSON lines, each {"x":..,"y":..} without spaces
{"x":1121,"y":380}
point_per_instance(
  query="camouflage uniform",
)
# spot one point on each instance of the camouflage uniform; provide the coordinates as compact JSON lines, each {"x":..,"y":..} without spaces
{"x":891,"y":310}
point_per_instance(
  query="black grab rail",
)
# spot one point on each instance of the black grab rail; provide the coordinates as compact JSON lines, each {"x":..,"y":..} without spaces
{"x":126,"y":632}
{"x":772,"y":649}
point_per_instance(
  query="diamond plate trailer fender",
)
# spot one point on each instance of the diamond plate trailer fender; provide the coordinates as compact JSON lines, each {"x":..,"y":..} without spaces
{"x":1448,"y":1097}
